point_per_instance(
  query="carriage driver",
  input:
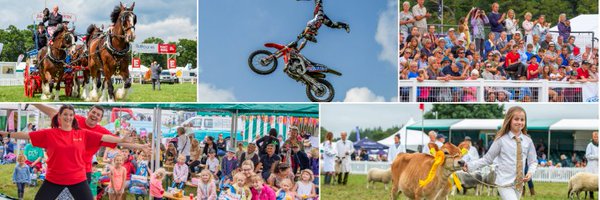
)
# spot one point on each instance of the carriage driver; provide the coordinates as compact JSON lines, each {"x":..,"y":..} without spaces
{"x":53,"y":19}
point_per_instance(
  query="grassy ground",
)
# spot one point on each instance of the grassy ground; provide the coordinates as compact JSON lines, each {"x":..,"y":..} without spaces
{"x":356,"y":189}
{"x":7,"y":188}
{"x":141,"y":93}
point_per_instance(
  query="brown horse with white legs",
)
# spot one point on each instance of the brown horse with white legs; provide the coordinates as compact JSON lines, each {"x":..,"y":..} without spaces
{"x":52,"y":61}
{"x":80,"y":61}
{"x":110,"y":53}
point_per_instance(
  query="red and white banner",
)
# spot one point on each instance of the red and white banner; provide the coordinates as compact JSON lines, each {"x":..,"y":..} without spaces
{"x":135,"y":63}
{"x":66,"y":16}
{"x":172,"y":63}
{"x":167,"y":48}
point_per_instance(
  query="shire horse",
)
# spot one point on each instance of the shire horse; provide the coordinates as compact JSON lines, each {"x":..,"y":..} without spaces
{"x":80,"y":62}
{"x":109,"y":55}
{"x":52,"y":62}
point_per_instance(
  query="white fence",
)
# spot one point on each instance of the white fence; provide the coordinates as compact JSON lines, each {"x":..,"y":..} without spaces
{"x":543,"y":174}
{"x":496,"y":90}
{"x":11,"y":81}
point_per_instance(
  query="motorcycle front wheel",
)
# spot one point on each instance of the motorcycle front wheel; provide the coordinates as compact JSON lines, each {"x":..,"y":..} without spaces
{"x":262,"y":62}
{"x":323,"y":94}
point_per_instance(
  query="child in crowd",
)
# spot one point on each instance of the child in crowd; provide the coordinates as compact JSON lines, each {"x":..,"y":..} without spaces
{"x":285,"y":192}
{"x":213,"y":163}
{"x":304,"y":188}
{"x":260,"y":190}
{"x":228,"y":164}
{"x":180,"y":172}
{"x":117,"y":175}
{"x":21,"y":176}
{"x":207,"y":189}
{"x":156,"y":179}
{"x":239,"y":187}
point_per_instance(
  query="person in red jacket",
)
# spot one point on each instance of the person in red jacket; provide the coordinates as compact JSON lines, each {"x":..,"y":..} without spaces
{"x":65,"y":144}
{"x":583,"y":72}
{"x":512,"y":63}
{"x":533,"y":70}
{"x":94,"y":116}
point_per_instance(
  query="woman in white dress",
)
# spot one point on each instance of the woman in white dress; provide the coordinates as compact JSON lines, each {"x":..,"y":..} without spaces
{"x":328,"y":152}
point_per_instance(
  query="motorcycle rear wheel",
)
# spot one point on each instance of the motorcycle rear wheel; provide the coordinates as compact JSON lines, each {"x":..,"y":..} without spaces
{"x":256,"y":65}
{"x":326,"y":96}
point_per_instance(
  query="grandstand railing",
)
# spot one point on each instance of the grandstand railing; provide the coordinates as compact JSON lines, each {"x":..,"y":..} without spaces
{"x":542,"y":174}
{"x":480,"y":90}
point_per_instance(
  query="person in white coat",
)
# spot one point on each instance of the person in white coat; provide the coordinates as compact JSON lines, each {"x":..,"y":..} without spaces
{"x":395,"y":149}
{"x":328,"y":152}
{"x":432,"y":136}
{"x":591,"y":154}
{"x":472,"y":152}
{"x":344,"y":149}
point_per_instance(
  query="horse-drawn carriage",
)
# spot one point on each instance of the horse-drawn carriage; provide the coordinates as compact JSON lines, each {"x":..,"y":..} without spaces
{"x":90,"y":65}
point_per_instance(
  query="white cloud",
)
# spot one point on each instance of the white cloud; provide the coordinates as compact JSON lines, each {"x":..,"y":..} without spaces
{"x":387,"y":33}
{"x":394,"y":99}
{"x":209,"y":93}
{"x":362,"y":94}
{"x":170,"y":29}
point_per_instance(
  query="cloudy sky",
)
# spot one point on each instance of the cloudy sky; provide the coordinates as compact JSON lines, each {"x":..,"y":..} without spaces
{"x":344,"y":117}
{"x":170,"y":20}
{"x":231,"y":30}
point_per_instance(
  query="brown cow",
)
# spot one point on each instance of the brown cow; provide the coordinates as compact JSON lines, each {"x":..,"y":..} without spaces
{"x":408,"y":169}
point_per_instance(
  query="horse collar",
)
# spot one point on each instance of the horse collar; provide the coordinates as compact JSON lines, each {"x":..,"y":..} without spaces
{"x":114,"y":51}
{"x":51,"y":58}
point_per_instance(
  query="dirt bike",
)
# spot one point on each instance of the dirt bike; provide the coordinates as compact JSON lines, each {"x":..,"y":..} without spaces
{"x":297,"y":67}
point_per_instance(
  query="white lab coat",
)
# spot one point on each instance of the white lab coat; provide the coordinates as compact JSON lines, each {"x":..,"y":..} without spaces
{"x":426,"y":147}
{"x":591,"y":154}
{"x":328,"y":157}
{"x":471,"y":155}
{"x":393,"y":152}
{"x":343,"y":152}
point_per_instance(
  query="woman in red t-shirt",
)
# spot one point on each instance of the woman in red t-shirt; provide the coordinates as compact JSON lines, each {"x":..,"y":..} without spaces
{"x":65,"y":143}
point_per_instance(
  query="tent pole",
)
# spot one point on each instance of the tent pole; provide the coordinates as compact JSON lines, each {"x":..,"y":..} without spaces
{"x":549,"y":147}
{"x":18,"y":127}
{"x":233,"y":135}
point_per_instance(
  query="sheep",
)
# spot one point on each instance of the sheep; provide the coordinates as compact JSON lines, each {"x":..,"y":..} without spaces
{"x":490,"y":179}
{"x":379,"y":175}
{"x":582,"y":181}
{"x":468,"y":181}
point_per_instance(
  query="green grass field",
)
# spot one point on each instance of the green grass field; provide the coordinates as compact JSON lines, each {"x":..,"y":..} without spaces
{"x":356,"y":189}
{"x":141,"y":93}
{"x":7,"y":188}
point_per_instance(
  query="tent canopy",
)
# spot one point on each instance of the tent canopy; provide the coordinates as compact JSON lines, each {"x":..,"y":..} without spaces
{"x":365,"y":143}
{"x":477,"y":124}
{"x":300,"y":110}
{"x":576,"y":125}
{"x":408,"y":137}
{"x":538,"y":124}
{"x":431,"y":124}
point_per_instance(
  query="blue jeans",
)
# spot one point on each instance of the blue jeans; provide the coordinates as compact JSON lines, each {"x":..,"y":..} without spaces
{"x":180,"y":186}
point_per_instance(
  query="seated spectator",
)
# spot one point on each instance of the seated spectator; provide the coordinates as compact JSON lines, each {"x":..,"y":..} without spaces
{"x":512,"y":63}
{"x":533,"y":71}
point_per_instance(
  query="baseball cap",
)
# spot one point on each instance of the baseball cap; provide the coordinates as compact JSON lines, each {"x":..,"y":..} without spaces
{"x":441,"y":136}
{"x":467,"y":138}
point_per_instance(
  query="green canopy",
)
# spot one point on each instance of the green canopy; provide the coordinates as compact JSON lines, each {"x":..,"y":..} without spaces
{"x":433,"y":124}
{"x":298,"y":110}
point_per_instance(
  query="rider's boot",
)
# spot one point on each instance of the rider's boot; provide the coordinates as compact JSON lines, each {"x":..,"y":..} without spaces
{"x":345,"y":26}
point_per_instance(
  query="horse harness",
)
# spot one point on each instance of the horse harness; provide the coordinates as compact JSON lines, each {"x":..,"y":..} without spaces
{"x":118,"y":55}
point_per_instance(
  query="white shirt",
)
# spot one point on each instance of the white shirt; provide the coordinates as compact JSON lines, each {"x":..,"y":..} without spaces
{"x":504,"y":151}
{"x":328,"y":153}
{"x":471,"y":155}
{"x":393,"y":151}
{"x":591,"y":154}
{"x":183,"y":145}
{"x":212,"y":164}
{"x":344,"y":149}
{"x":420,"y":11}
{"x":426,"y":147}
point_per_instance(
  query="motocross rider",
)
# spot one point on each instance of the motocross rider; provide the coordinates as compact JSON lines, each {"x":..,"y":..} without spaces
{"x":312,"y":27}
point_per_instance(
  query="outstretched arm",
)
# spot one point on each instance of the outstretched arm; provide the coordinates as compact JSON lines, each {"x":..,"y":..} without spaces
{"x":50,"y":111}
{"x":16,"y":135}
{"x":112,"y":139}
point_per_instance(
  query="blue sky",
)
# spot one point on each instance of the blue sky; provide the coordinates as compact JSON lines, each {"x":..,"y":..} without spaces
{"x":156,"y":18}
{"x":230,"y":30}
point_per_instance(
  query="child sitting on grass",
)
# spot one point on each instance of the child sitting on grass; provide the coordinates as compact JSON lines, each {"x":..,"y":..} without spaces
{"x":207,"y":189}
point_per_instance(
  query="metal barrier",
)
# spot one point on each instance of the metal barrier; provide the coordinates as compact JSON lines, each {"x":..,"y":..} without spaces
{"x":542,"y":174}
{"x":496,"y":91}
